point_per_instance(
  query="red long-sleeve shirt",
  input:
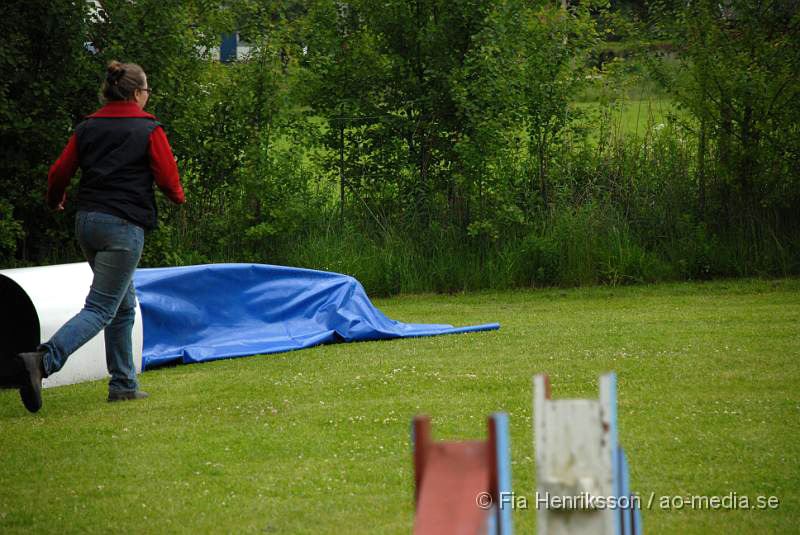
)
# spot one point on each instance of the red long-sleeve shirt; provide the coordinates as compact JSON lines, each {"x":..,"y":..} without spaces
{"x":162,"y":162}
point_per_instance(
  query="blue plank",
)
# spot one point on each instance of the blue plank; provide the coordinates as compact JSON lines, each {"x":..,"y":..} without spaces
{"x":613,"y":444}
{"x":503,"y":452}
{"x":625,"y":491}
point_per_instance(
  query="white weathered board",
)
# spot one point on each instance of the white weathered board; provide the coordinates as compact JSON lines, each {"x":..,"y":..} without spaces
{"x":574,"y":440}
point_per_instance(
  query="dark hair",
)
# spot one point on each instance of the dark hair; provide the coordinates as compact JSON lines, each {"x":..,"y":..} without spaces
{"x":122,"y":79}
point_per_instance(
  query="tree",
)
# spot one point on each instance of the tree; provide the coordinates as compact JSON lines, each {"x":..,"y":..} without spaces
{"x":49,"y":79}
{"x":391,"y":70}
{"x":738,"y":78}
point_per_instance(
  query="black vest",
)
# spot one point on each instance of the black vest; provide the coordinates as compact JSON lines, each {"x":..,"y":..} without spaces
{"x":116,"y":177}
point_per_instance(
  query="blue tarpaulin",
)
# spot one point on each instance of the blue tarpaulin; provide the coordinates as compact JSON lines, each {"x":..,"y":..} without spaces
{"x":215,"y":311}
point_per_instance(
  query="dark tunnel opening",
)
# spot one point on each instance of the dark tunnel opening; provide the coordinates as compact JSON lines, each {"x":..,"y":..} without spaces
{"x":19,"y":328}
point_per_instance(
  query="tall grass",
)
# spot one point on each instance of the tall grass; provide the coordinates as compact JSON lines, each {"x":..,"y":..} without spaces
{"x":622,"y":212}
{"x":588,"y":245}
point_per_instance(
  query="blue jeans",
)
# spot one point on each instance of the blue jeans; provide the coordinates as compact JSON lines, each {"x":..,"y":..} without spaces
{"x":113,"y":247}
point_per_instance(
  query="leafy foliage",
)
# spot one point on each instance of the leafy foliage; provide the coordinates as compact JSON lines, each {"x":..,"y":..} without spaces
{"x":430,"y":144}
{"x":738,"y":78}
{"x":48,"y":80}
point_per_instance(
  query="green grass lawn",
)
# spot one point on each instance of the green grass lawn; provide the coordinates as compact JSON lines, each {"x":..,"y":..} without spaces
{"x":317,"y":441}
{"x":630,"y":117}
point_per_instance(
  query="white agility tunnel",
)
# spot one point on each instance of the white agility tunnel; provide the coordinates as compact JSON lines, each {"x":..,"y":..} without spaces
{"x":37,"y":301}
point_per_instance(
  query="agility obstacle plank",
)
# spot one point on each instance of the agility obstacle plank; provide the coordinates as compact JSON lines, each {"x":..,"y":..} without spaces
{"x":582,"y":478}
{"x":458,"y":485}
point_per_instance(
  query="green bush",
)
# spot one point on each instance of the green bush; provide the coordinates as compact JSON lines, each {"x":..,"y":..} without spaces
{"x":537,"y":262}
{"x":460,"y":163}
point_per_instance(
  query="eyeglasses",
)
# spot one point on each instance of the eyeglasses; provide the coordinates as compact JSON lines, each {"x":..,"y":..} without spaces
{"x":149,"y":90}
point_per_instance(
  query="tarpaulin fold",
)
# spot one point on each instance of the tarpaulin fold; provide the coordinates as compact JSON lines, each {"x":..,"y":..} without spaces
{"x":215,"y":311}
